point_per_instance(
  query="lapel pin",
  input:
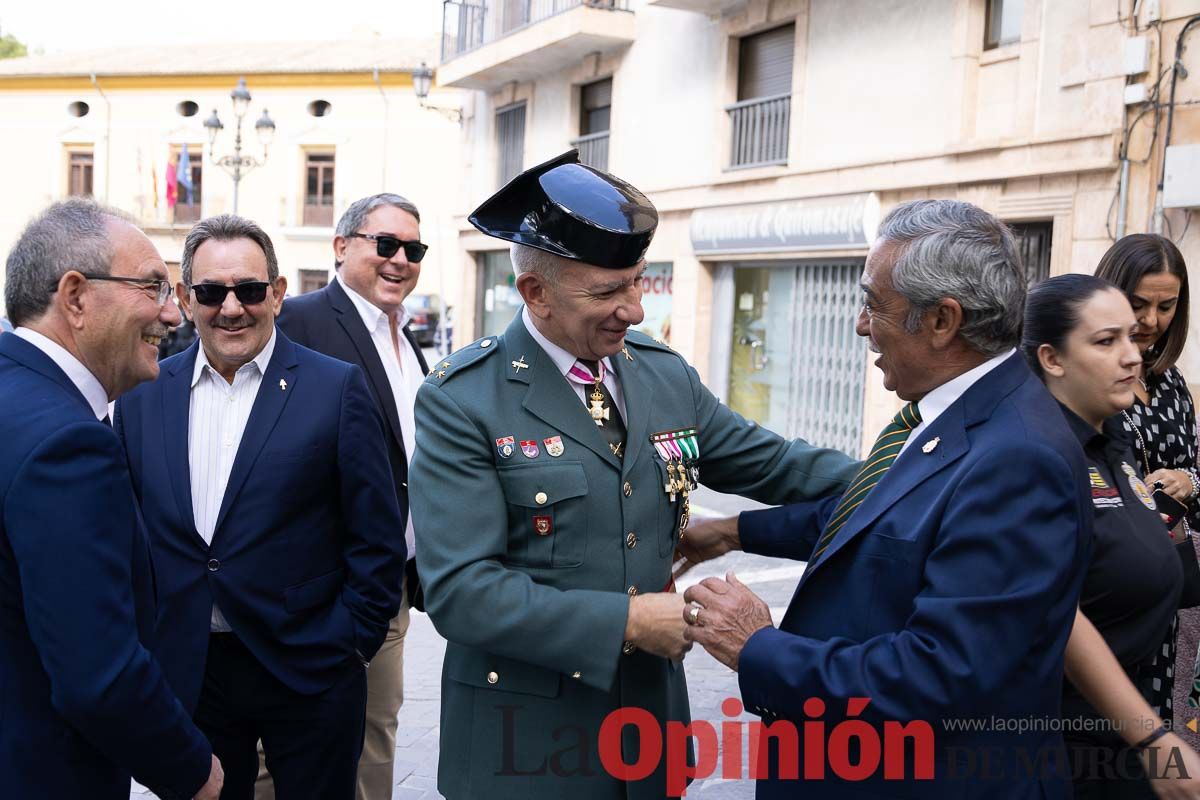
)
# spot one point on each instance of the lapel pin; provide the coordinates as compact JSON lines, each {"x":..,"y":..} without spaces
{"x":625,"y":352}
{"x":282,"y":385}
{"x":931,"y":445}
{"x":520,"y":364}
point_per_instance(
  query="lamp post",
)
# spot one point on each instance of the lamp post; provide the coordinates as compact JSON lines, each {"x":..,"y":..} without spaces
{"x":422,"y":78}
{"x":237,"y":164}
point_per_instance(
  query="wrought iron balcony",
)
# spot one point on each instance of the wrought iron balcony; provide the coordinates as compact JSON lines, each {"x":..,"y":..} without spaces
{"x":760,"y":130}
{"x":469,"y":25}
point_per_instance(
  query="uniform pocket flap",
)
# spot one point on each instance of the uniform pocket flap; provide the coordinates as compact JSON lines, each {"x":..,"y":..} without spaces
{"x":542,"y":485}
{"x":314,"y":592}
{"x":488,"y":671}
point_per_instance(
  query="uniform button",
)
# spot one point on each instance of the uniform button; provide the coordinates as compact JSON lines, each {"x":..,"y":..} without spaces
{"x":486,"y":343}
{"x":540,"y":498}
{"x":628,"y":648}
{"x":213,"y":565}
{"x":627,"y":488}
{"x":576,"y":675}
{"x":493,"y":677}
{"x":631,"y":540}
{"x":631,"y":591}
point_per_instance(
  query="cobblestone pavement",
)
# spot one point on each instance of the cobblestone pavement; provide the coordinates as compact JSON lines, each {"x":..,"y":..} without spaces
{"x":709,"y":681}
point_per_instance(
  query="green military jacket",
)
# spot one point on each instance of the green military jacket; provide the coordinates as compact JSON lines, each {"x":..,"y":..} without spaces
{"x":529,"y":555}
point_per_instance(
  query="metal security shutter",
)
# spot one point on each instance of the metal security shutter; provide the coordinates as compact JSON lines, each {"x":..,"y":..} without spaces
{"x":510,"y":141}
{"x":1033,"y":243}
{"x":829,"y":369}
{"x":765,"y":63}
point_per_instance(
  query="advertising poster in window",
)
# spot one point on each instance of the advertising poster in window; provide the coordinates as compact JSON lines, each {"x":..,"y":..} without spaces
{"x":657,"y":286}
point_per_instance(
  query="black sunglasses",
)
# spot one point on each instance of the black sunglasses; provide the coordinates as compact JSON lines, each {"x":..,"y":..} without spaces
{"x":388,"y":246}
{"x":248,"y":294}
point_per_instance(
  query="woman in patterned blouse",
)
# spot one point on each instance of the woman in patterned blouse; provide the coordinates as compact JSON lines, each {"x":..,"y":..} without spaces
{"x":1162,"y":420}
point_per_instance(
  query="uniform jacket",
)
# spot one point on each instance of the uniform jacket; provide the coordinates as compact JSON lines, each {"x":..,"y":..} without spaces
{"x":328,"y":322}
{"x":535,"y":622}
{"x":82,"y":702}
{"x":306,"y":559}
{"x":948,"y":595}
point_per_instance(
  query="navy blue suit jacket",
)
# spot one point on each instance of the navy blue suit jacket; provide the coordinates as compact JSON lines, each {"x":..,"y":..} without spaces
{"x":82,"y":702}
{"x":308,"y":552}
{"x":949,"y":594}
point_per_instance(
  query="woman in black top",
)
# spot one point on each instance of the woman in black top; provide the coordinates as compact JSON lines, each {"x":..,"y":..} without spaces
{"x":1078,"y":339}
{"x":1161,"y":422}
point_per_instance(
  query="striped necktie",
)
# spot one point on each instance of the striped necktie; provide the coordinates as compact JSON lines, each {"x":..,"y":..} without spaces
{"x":889,"y":444}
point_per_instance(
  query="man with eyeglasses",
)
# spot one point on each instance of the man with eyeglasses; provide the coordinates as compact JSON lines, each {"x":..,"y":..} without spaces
{"x":84,"y":703}
{"x":360,"y":317}
{"x":265,"y":484}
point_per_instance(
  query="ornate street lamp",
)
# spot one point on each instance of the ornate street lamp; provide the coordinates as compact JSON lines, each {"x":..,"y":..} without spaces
{"x":422,"y":78}
{"x":237,"y":164}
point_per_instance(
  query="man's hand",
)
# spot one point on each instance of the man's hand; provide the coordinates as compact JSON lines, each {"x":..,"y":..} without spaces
{"x":705,"y":540}
{"x":211,"y":790}
{"x":722,"y":615}
{"x":655,"y":624}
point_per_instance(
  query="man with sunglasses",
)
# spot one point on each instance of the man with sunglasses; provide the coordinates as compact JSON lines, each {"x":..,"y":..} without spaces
{"x":84,"y":703}
{"x":265,"y":484}
{"x":360,"y":317}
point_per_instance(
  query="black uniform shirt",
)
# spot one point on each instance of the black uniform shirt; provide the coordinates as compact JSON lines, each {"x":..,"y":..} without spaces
{"x":1134,"y":580}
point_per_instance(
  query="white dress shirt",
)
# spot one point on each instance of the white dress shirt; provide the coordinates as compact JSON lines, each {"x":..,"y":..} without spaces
{"x":564,"y":361}
{"x":81,"y":376}
{"x":933,"y":404}
{"x":217,"y":416}
{"x":403,"y":373}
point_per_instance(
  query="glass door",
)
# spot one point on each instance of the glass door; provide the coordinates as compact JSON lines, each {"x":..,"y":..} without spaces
{"x":499,"y":299}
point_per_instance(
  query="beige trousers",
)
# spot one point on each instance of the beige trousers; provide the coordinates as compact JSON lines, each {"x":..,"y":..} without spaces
{"x":385,"y":694}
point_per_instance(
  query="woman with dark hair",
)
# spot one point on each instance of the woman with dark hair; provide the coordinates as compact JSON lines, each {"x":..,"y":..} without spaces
{"x":1078,"y":338}
{"x":1161,"y":422}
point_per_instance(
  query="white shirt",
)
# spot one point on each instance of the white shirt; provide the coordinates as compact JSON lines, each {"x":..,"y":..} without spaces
{"x":81,"y":376}
{"x":217,"y":416}
{"x":564,"y":361}
{"x":403,"y":373}
{"x":933,"y":404}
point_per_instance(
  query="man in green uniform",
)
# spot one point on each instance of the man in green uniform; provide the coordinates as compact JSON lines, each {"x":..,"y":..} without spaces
{"x":549,"y":488}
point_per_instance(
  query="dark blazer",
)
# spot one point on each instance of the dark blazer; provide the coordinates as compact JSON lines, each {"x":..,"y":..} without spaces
{"x":82,"y":702}
{"x":306,"y":559}
{"x":328,"y":322}
{"x":949,"y":594}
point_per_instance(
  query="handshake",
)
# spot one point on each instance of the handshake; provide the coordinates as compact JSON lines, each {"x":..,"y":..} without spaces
{"x":719,"y":614}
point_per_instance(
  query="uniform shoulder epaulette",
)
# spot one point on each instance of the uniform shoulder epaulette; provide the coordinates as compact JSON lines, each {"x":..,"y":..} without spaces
{"x":641,"y":340}
{"x":456,"y":362}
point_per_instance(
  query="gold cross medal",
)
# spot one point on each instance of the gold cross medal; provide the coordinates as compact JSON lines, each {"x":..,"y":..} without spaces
{"x":679,"y":450}
{"x":600,"y":412}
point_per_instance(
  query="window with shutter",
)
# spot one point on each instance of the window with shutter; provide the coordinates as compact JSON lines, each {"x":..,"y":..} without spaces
{"x":510,"y":141}
{"x":765,"y":63}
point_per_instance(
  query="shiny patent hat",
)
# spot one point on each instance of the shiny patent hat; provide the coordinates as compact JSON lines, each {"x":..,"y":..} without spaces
{"x":571,"y":210}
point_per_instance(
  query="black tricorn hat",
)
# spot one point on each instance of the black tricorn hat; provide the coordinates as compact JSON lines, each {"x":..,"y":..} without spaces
{"x":571,"y":210}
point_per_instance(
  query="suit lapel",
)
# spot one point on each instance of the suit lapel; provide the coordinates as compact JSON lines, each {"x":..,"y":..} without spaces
{"x":176,"y":407}
{"x":550,"y":396}
{"x":637,"y":407}
{"x":360,"y":337}
{"x":412,"y":342}
{"x":28,"y":355}
{"x":264,"y":414}
{"x":915,"y":466}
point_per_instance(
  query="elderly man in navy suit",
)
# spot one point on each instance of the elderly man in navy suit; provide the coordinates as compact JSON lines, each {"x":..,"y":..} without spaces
{"x":83,"y":704}
{"x":942,"y":585}
{"x":263,"y":478}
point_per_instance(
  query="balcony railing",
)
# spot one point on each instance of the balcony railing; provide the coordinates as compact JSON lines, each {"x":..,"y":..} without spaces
{"x":760,"y":131}
{"x":467,"y":25}
{"x":593,"y":150}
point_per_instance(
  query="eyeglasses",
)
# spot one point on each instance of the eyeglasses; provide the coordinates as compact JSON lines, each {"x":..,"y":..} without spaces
{"x":248,"y":293}
{"x":161,"y":287}
{"x":388,"y":246}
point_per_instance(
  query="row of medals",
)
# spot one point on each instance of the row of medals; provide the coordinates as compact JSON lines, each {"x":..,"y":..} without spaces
{"x":681,"y":478}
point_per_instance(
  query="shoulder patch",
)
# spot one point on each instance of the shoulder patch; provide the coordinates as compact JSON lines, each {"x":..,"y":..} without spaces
{"x":642,"y":341}
{"x":441,"y":370}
